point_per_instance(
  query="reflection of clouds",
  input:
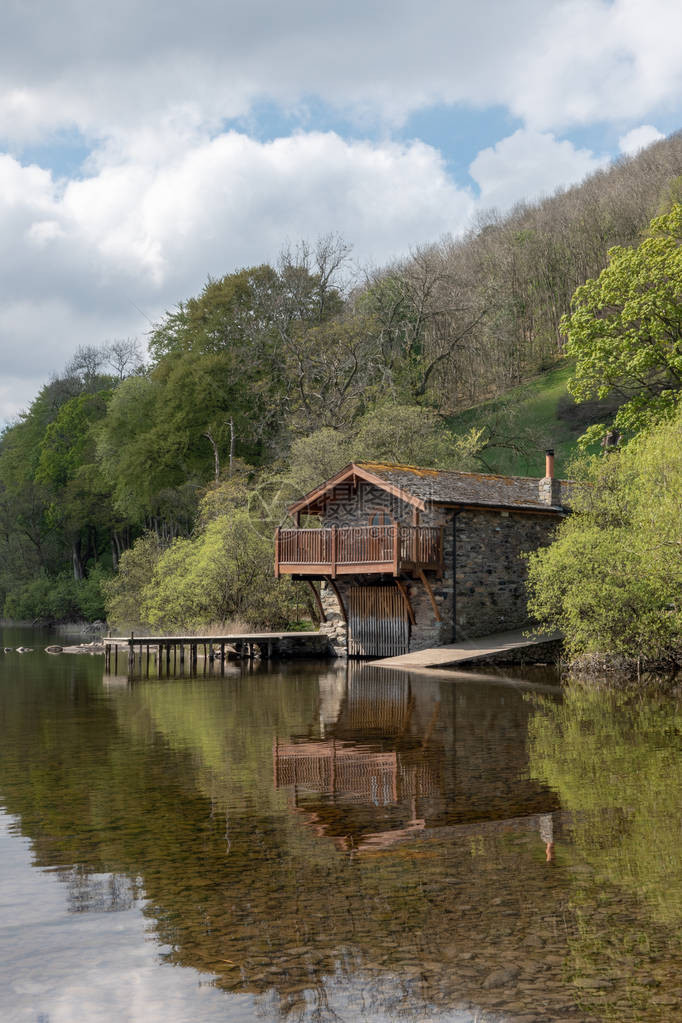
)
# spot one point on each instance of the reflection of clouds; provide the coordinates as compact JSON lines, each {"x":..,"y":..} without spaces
{"x":100,"y":967}
{"x":95,"y":967}
{"x":387,"y":998}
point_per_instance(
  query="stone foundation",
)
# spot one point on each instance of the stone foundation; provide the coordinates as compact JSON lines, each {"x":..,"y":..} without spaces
{"x":335,"y":627}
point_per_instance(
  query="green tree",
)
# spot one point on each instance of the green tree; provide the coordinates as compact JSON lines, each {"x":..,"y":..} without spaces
{"x":400,"y":434}
{"x":55,"y":508}
{"x":223,"y":573}
{"x":625,"y":329}
{"x":313,"y":459}
{"x":124,"y":593}
{"x":79,"y":499}
{"x":612,"y":580}
{"x":412,"y":435}
{"x":152,"y":486}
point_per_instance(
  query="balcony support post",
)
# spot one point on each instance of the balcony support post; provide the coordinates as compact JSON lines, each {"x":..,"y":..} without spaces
{"x":396,"y":549}
{"x":427,"y":587}
{"x":406,"y":600}
{"x":318,"y":602}
{"x":335,"y":550}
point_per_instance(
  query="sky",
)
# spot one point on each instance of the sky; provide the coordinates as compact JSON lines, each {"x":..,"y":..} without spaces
{"x":146,"y":147}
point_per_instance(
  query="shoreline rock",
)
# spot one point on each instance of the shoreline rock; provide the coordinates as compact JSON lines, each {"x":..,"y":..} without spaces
{"x":82,"y":648}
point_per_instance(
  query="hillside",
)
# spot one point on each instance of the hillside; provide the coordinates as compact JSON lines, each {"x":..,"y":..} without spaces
{"x":526,"y":419}
{"x":270,"y":377}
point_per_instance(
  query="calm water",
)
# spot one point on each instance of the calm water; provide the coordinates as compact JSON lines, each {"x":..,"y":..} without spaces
{"x":319,"y":845}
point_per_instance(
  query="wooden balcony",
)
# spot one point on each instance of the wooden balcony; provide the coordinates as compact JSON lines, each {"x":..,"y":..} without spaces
{"x":356,"y":550}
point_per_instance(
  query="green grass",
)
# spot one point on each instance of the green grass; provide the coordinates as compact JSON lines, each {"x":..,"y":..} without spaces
{"x":536,"y":415}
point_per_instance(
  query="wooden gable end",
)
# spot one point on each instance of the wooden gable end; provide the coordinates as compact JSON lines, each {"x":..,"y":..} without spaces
{"x":344,"y":488}
{"x":365,"y":504}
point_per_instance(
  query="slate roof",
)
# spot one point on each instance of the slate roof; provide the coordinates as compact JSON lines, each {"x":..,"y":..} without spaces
{"x":423,"y":487}
{"x":444,"y":486}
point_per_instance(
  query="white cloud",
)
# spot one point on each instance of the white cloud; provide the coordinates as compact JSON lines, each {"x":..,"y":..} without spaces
{"x":527,"y":165}
{"x":153,"y":219}
{"x":145,"y":229}
{"x":601,"y":61}
{"x":167,"y":196}
{"x":639,"y":138}
{"x":553,"y":63}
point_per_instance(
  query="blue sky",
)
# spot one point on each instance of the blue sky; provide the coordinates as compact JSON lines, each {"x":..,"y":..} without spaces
{"x":145,"y":147}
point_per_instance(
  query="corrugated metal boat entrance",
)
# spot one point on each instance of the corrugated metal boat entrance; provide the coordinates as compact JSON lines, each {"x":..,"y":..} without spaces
{"x":378,"y":625}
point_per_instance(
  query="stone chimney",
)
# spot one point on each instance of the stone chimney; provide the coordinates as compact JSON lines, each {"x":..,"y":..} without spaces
{"x":549,"y":488}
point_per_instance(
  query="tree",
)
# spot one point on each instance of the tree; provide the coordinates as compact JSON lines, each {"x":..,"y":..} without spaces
{"x":425,"y":314}
{"x":124,"y":357}
{"x":222,"y":573}
{"x":312,"y":460}
{"x":625,"y":329}
{"x":79,"y":499}
{"x":142,"y":460}
{"x":412,"y":435}
{"x":612,"y":580}
{"x":400,"y":434}
{"x":331,"y":368}
{"x":124,"y":593}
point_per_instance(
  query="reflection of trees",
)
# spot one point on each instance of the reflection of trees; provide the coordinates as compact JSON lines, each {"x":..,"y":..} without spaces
{"x":171,"y":782}
{"x":615,"y":762}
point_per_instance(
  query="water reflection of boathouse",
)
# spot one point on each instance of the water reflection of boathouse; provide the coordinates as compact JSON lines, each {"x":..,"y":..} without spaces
{"x":387,"y":758}
{"x":370,"y":758}
{"x":357,"y":773}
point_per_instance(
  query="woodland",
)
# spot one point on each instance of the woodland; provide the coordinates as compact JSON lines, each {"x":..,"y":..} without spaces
{"x":145,"y":488}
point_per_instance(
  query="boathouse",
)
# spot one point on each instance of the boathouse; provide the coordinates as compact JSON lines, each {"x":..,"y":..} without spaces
{"x":408,"y":558}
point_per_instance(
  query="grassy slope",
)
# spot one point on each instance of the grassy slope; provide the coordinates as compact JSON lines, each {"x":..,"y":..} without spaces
{"x":541,"y":414}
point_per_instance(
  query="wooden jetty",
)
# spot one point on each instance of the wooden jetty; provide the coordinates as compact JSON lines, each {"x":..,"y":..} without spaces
{"x":172,"y":655}
{"x":485,"y":648}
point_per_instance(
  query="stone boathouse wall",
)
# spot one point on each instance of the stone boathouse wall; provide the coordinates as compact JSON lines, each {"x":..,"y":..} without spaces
{"x":490,"y":583}
{"x":482,"y":590}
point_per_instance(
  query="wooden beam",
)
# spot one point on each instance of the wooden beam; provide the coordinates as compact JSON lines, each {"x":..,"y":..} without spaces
{"x":427,"y":587}
{"x":338,"y":596}
{"x":408,"y":607}
{"x":318,"y":602}
{"x":320,"y":570}
{"x":524,"y":509}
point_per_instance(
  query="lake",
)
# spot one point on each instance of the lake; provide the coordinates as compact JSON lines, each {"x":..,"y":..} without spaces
{"x":307,"y":842}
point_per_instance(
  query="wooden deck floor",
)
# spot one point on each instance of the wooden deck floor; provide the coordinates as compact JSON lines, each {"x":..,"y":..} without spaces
{"x":468,"y":650}
{"x":232,"y":637}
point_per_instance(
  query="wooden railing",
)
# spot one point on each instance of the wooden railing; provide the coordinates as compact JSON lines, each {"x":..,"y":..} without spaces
{"x":361,"y":548}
